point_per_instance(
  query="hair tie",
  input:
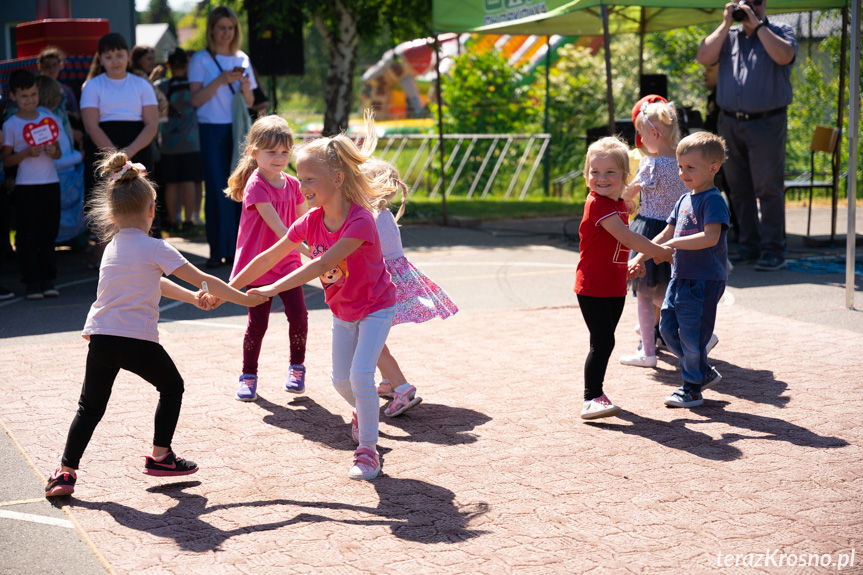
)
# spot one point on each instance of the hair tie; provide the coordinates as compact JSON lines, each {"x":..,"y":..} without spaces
{"x":125,"y":168}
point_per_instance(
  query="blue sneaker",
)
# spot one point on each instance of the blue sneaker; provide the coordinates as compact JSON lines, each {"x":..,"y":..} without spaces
{"x":296,"y":382}
{"x":248,"y":388}
{"x":712,"y":378}
{"x":685,"y":396}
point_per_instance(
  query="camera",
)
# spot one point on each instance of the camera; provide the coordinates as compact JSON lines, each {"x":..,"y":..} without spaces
{"x":738,"y":14}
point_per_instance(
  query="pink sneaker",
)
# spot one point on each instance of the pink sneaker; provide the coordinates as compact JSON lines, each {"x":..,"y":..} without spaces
{"x":599,"y":407}
{"x":355,"y":428}
{"x":367,"y":464}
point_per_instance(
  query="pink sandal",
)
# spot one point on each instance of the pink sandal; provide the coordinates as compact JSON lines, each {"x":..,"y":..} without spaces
{"x":402,"y":402}
{"x":385,"y":390}
{"x":367,"y":464}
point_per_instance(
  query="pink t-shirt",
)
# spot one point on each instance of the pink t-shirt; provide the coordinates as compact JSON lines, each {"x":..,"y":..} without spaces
{"x":255,"y":236}
{"x":360,"y":284}
{"x":127,"y":299}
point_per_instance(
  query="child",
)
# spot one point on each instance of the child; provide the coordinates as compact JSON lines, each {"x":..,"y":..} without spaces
{"x":698,"y":224}
{"x":341,"y":234}
{"x":36,"y":195}
{"x":659,"y":187}
{"x":180,"y":164}
{"x":600,"y":279}
{"x":418,"y":298}
{"x":271,"y":203}
{"x":122,"y":324}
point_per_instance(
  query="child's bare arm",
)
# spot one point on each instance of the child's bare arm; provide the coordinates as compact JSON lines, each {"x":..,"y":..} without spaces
{"x":702,"y":240}
{"x":217,"y":287}
{"x":263,"y":262}
{"x":10,"y":158}
{"x":634,"y":241}
{"x":271,"y":217}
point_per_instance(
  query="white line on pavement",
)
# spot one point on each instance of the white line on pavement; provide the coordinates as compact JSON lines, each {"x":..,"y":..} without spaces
{"x":36,"y":518}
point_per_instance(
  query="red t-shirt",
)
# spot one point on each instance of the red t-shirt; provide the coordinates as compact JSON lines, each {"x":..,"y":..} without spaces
{"x":255,"y":236}
{"x":360,"y":284}
{"x":601,"y":269}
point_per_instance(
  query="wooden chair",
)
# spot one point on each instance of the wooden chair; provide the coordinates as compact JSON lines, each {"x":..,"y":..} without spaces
{"x":823,"y":140}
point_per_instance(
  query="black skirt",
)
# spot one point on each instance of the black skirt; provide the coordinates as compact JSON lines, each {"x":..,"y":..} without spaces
{"x":656,"y":276}
{"x":121,"y":134}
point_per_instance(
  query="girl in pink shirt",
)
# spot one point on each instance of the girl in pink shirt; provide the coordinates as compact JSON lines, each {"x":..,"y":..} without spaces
{"x":343,"y":240}
{"x":271,"y":203}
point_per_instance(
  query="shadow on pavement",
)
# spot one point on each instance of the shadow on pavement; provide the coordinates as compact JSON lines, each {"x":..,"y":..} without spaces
{"x":414,"y":511}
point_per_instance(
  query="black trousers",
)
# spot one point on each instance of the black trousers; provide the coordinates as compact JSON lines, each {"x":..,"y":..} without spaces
{"x":37,"y":219}
{"x":109,"y":354}
{"x":601,"y":315}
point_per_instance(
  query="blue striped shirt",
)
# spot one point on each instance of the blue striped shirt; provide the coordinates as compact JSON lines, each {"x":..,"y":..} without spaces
{"x":749,"y":80}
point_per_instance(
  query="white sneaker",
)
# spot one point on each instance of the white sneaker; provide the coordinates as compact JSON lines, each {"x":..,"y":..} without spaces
{"x":599,"y":407}
{"x":712,"y":343}
{"x":639,"y":360}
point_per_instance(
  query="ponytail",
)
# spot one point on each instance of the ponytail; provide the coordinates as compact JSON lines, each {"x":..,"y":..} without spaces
{"x":237,"y":182}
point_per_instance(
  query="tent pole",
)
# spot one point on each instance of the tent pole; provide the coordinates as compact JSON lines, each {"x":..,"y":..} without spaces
{"x":547,"y":158}
{"x":642,"y":26}
{"x":853,"y":134}
{"x":606,"y":36}
{"x":437,"y":51}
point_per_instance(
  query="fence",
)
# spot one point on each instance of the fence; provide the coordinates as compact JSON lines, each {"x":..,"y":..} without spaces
{"x":475,"y":165}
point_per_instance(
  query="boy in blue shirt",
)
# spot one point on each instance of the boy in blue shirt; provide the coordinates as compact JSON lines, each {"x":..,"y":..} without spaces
{"x":28,"y":144}
{"x":696,"y":229}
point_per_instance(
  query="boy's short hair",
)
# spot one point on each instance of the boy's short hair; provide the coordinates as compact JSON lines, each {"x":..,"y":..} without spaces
{"x":710,"y":146}
{"x":178,"y":58}
{"x":21,"y":80}
{"x":51,"y":52}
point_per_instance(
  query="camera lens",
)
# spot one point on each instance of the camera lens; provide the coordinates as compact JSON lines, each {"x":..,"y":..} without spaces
{"x":738,"y":15}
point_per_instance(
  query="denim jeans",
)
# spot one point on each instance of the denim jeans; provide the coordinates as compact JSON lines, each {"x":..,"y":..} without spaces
{"x":356,"y":348}
{"x":686,"y":323}
{"x":222,"y":213}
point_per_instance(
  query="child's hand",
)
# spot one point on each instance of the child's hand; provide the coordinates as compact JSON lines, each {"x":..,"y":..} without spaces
{"x":34,"y":151}
{"x":255,"y":299}
{"x":630,"y":206}
{"x":53,"y":151}
{"x":266,"y":291}
{"x":635,"y":270}
{"x":668,"y":255}
{"x":202,"y":301}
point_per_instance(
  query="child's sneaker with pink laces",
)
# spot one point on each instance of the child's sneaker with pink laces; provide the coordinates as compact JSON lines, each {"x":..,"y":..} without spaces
{"x":367,"y":464}
{"x":599,"y":407}
{"x":296,"y":382}
{"x":248,"y":389}
{"x":61,"y":483}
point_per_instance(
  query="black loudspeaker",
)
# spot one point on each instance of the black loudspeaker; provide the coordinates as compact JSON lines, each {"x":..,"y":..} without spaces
{"x":622,"y":128}
{"x":276,"y":52}
{"x":654,"y":84}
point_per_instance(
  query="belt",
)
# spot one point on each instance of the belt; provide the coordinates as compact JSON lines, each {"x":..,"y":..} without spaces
{"x":756,"y":116}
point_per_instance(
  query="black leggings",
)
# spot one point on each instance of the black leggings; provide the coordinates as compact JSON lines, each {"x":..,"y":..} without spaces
{"x":601,"y":315}
{"x":107,"y":356}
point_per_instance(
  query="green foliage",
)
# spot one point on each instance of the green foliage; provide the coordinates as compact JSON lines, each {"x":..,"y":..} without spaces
{"x":159,"y":12}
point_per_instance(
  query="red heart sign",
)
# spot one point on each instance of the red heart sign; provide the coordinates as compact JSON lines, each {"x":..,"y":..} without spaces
{"x":45,"y":132}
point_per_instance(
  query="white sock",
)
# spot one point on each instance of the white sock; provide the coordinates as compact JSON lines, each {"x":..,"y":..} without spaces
{"x":402,"y":388}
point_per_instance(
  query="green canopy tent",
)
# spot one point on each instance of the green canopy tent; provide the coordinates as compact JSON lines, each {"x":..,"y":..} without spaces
{"x":592,"y":17}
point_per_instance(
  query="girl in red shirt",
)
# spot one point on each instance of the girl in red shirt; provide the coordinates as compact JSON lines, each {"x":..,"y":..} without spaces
{"x":600,"y":279}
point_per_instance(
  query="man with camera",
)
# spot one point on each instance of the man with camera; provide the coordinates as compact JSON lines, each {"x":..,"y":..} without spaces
{"x":753,"y":92}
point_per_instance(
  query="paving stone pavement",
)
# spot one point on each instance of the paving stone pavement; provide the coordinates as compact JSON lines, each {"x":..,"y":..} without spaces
{"x":493,"y":473}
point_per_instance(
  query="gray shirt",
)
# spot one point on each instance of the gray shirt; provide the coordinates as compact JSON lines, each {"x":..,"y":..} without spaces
{"x":749,"y":80}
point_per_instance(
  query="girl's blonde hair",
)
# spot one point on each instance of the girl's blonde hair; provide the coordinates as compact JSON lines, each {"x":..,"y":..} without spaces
{"x":216,"y":15}
{"x":376,"y":168}
{"x":124,"y":190}
{"x":340,"y":154}
{"x":661,"y":117}
{"x":615,"y":149}
{"x":266,"y":133}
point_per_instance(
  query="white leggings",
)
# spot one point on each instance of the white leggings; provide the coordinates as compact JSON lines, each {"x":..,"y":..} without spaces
{"x":356,"y":348}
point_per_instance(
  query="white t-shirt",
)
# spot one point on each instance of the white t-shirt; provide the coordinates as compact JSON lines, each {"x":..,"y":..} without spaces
{"x":203,"y":69}
{"x":127,"y":299}
{"x":31,"y":171}
{"x":118,"y":100}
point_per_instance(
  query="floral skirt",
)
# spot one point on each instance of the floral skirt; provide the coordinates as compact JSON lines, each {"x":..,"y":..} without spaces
{"x":418,"y":299}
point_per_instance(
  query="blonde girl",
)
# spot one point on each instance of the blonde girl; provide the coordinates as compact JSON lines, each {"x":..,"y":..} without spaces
{"x":340,"y":231}
{"x":122,"y":324}
{"x":271,"y":203}
{"x":660,"y":187}
{"x":600,"y":278}
{"x":418,"y":299}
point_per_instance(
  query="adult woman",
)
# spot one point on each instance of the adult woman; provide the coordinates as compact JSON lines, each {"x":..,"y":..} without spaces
{"x":215,"y":75}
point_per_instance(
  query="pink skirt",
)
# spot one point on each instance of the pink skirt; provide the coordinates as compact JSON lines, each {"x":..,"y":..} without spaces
{"x":418,"y":299}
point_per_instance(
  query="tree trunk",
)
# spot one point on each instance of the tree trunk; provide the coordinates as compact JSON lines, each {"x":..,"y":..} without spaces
{"x":342,"y":42}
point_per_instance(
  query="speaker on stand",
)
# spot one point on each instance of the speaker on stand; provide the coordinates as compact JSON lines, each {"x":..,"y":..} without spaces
{"x":276,"y":51}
